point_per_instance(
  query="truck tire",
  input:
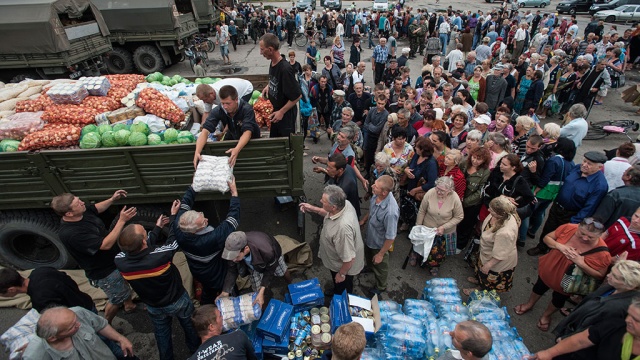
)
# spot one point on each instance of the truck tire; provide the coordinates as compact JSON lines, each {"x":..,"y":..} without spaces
{"x":148,"y":59}
{"x":119,"y":61}
{"x":29,"y":239}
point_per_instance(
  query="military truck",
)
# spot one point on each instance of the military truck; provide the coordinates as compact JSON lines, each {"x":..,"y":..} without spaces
{"x":147,"y":35}
{"x":206,"y":15}
{"x":153,"y":176}
{"x":51,"y":38}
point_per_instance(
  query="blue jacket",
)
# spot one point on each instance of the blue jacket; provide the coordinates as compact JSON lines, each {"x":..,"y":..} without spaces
{"x":582,"y":194}
{"x":203,"y":250}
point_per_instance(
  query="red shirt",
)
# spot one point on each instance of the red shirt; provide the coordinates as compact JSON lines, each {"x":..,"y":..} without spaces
{"x":621,"y":239}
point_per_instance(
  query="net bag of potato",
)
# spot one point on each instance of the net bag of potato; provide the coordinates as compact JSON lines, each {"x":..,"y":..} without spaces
{"x":263,"y":110}
{"x":212,"y":174}
{"x":154,"y":102}
{"x":238,"y":311}
{"x":52,"y":135}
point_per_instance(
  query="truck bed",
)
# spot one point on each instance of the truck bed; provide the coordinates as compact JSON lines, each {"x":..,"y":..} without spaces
{"x":150,"y":174}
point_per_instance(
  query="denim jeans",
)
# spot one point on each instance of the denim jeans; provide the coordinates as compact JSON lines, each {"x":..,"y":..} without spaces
{"x":162,"y":319}
{"x":444,"y":41}
{"x":475,"y":41}
{"x":371,"y":43}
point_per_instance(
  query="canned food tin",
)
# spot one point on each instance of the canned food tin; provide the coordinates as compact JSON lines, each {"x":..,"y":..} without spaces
{"x":307,"y":357}
{"x":299,"y":355}
{"x":324,"y":310}
{"x":326,"y":338}
{"x":292,"y":347}
{"x":314,"y":311}
{"x":315,"y":329}
{"x":324,"y":318}
{"x":325,"y":328}
{"x":291,"y":355}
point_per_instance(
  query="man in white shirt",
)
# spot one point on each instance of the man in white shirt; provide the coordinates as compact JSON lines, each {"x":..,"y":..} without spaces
{"x":358,"y":74}
{"x":616,"y":167}
{"x":455,"y":56}
{"x":483,"y":51}
{"x":576,"y":128}
{"x":209,"y":93}
{"x":521,"y":36}
{"x":443,"y":31}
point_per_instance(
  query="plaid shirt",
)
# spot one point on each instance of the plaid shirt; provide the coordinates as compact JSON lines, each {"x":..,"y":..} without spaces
{"x":380,"y":54}
{"x":336,"y":114}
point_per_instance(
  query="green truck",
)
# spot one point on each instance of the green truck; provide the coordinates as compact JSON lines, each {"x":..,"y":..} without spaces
{"x":51,"y":38}
{"x":147,"y":35}
{"x":153,"y":176}
{"x":206,"y":15}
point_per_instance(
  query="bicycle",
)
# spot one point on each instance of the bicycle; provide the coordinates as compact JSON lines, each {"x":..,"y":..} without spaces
{"x":204,"y":43}
{"x":602,"y":129}
{"x":302,"y":39}
{"x":192,"y":52}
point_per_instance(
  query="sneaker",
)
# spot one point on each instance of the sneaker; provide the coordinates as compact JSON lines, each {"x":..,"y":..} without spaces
{"x":535,"y":251}
{"x":531,"y":235}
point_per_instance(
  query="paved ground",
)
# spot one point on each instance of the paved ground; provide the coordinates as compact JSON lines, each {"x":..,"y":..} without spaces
{"x":264,"y":215}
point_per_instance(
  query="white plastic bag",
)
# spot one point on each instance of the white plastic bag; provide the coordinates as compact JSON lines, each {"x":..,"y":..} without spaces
{"x":238,"y":311}
{"x":212,"y":174}
{"x":422,"y":240}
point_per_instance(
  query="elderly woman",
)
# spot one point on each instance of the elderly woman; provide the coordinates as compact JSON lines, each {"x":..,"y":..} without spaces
{"x":419,"y":177}
{"x":477,"y":84}
{"x":486,"y":68}
{"x":502,"y":124}
{"x":550,"y":134}
{"x":610,"y":301}
{"x":498,"y":254}
{"x":498,"y":145}
{"x":476,"y":172}
{"x":474,"y":140}
{"x":524,"y":127}
{"x":440,"y":209}
{"x":381,"y":167}
{"x":385,"y":134}
{"x":399,"y":150}
{"x":457,"y":132}
{"x":569,"y":243}
{"x":507,"y":180}
{"x":450,"y":169}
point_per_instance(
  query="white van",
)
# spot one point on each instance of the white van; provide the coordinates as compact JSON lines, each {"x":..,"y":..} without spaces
{"x":380,"y":5}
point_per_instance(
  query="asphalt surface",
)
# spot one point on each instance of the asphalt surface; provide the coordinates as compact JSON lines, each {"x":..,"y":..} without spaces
{"x":265,"y":215}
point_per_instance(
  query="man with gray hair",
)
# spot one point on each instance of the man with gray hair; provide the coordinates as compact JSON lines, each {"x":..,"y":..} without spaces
{"x":202,"y":244}
{"x":472,"y":340}
{"x":575,"y":127}
{"x":483,"y":51}
{"x":341,"y":247}
{"x":72,"y":333}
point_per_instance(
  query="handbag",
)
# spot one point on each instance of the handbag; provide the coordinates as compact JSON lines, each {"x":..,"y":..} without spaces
{"x":552,"y":189}
{"x":575,"y":281}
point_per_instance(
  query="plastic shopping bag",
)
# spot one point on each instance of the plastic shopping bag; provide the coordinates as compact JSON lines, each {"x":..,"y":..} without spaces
{"x":422,"y":239}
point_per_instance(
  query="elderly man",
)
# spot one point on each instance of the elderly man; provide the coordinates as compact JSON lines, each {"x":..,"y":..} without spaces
{"x":496,"y":88}
{"x":72,"y":333}
{"x":520,"y":39}
{"x":359,"y":100}
{"x":576,"y":128}
{"x":621,"y":201}
{"x":472,"y":341}
{"x":414,"y":116}
{"x":202,"y":244}
{"x":253,"y":253}
{"x":382,"y":224}
{"x":338,"y":173}
{"x":404,"y":58}
{"x":481,"y":123}
{"x":347,"y":120}
{"x":146,"y":263}
{"x":238,"y":120}
{"x":209,"y":93}
{"x":341,"y":247}
{"x":375,"y":120}
{"x":339,"y":103}
{"x":379,"y":60}
{"x":86,"y":238}
{"x":583,"y":189}
{"x":483,"y":51}
{"x":470,"y":64}
{"x":207,"y":320}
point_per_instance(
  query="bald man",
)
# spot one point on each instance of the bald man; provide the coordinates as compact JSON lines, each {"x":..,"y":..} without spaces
{"x":472,"y":340}
{"x":72,"y":333}
{"x":382,"y":220}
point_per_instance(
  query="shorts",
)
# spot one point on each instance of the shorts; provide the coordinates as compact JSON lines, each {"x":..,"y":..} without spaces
{"x":224,"y":50}
{"x":602,"y":92}
{"x":114,"y":285}
{"x":256,"y":277}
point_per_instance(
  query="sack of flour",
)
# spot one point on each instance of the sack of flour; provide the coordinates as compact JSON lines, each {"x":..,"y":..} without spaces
{"x":212,"y":174}
{"x":238,"y":311}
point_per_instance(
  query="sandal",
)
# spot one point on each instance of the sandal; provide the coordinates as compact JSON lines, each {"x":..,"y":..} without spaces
{"x":468,"y":291}
{"x":413,"y":259}
{"x":566,"y":311}
{"x":473,"y":280}
{"x":519,"y":309}
{"x":544,"y":327}
{"x":434,"y":271}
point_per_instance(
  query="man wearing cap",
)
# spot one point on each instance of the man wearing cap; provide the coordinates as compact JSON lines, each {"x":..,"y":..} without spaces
{"x":583,"y":189}
{"x":496,"y":88}
{"x":341,"y":248}
{"x":483,"y":51}
{"x":253,"y":253}
{"x":456,"y":83}
{"x":481,"y":123}
{"x":339,"y":103}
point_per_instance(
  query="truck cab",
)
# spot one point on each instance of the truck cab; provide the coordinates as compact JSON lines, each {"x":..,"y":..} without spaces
{"x":51,"y":38}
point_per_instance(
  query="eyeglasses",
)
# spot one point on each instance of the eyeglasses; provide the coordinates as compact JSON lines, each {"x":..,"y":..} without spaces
{"x":596,"y":224}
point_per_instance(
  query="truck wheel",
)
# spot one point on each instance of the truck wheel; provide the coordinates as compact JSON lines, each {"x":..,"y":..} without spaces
{"x":148,"y":59}
{"x":119,"y":61}
{"x":29,"y":239}
{"x":146,"y":216}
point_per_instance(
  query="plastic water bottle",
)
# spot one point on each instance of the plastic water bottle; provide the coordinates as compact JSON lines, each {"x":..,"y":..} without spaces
{"x":388,"y":305}
{"x":442,"y":282}
{"x":445,"y":298}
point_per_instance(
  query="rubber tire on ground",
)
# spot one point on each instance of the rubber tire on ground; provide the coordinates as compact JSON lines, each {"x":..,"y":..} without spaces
{"x":146,"y":216}
{"x":543,"y":5}
{"x":521,"y":5}
{"x":148,"y":59}
{"x":123,"y":61}
{"x":211,"y":46}
{"x":572,"y":11}
{"x":595,"y":134}
{"x":300,"y":39}
{"x":610,"y":18}
{"x":42,"y":224}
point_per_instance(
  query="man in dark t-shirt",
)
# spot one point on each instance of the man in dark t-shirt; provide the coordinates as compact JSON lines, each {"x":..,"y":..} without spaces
{"x":231,"y":346}
{"x":93,"y":247}
{"x":46,"y":287}
{"x":283,"y":90}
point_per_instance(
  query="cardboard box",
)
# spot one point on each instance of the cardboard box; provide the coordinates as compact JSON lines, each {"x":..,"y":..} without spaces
{"x":305,"y":295}
{"x":275,"y":321}
{"x":277,"y":348}
{"x":340,"y":312}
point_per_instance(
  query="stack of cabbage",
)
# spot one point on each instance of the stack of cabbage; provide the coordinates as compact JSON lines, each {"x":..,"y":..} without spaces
{"x":159,"y":78}
{"x":137,"y":134}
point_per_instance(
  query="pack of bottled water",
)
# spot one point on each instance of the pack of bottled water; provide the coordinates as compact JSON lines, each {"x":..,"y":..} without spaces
{"x":238,"y":311}
{"x":403,"y":338}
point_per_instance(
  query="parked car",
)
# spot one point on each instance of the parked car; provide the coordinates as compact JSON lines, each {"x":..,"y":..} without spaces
{"x":303,"y":5}
{"x":333,"y":4}
{"x":621,"y":13}
{"x":574,"y":6}
{"x":380,"y":5}
{"x":611,"y":5}
{"x":533,"y":3}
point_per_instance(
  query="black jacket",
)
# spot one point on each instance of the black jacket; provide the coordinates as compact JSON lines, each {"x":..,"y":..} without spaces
{"x":516,"y":187}
{"x":243,"y":120}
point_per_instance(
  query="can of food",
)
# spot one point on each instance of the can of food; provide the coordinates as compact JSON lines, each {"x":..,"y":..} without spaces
{"x":314,"y":353}
{"x":306,"y":351}
{"x":324,"y":310}
{"x":325,"y":328}
{"x":314,"y":311}
{"x":306,"y":316}
{"x":292,"y":347}
{"x":326,"y":339}
{"x":324,"y":319}
{"x":299,"y":355}
{"x":291,"y":355}
{"x":316,"y":336}
{"x":315,"y":329}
